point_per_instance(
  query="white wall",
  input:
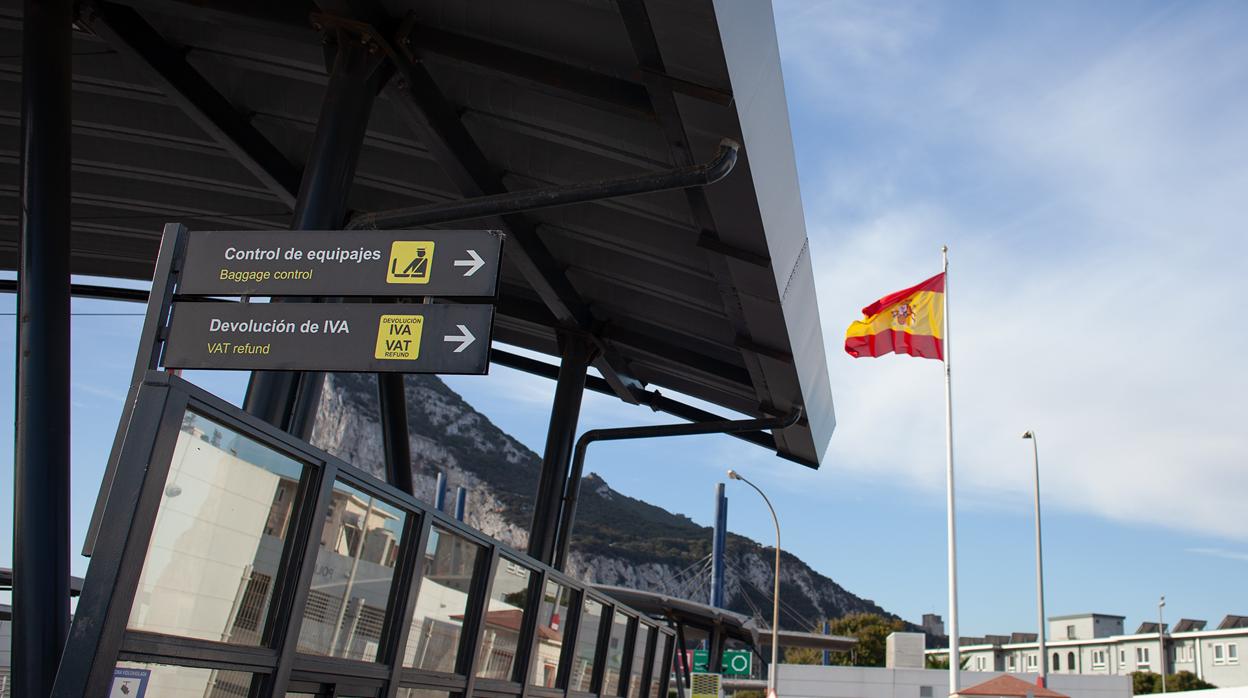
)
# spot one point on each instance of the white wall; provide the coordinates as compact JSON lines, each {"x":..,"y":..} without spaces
{"x":802,"y":681}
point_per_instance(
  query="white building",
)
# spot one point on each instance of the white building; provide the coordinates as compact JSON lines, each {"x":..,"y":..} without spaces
{"x":1097,"y":644}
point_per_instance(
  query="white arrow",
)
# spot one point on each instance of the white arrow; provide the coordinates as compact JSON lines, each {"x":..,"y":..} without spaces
{"x":473,"y":264}
{"x":464,"y":339}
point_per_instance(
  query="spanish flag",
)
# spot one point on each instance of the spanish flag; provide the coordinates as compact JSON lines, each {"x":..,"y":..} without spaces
{"x":905,"y":322}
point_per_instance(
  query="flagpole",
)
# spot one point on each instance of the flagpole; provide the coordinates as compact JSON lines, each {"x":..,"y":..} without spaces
{"x":955,"y":660}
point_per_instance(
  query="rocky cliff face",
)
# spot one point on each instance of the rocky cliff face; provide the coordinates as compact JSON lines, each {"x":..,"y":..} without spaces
{"x":619,"y":540}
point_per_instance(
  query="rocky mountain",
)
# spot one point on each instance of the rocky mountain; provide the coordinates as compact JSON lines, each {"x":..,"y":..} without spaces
{"x":618,"y":540}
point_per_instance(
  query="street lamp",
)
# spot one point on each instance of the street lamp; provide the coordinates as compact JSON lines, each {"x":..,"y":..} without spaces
{"x":775,"y":609}
{"x":1035,"y":459}
{"x":1161,"y":641}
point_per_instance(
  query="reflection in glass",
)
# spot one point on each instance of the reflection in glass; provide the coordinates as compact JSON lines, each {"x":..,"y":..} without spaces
{"x":615,"y":655}
{"x":504,"y":618}
{"x":165,"y":680}
{"x":405,"y":692}
{"x":551,"y":615}
{"x":438,"y":616}
{"x":639,"y":660}
{"x":582,"y":674}
{"x":659,"y":671}
{"x":354,"y":569}
{"x":218,"y":537}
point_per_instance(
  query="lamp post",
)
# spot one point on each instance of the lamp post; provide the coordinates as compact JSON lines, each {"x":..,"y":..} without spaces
{"x":1035,"y":459}
{"x":1161,"y":642}
{"x":775,"y":608}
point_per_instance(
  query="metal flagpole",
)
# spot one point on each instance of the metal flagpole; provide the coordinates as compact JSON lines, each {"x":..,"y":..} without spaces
{"x":955,"y":659}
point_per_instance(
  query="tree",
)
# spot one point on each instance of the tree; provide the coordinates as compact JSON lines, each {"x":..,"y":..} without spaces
{"x":1147,"y":682}
{"x":934,"y":662}
{"x":870,"y":629}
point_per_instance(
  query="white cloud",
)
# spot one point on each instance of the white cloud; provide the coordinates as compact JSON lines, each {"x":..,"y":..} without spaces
{"x":1094,"y":202}
{"x":1222,"y":553}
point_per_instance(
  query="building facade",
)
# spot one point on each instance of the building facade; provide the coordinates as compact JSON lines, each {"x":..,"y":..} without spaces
{"x":1097,"y":644}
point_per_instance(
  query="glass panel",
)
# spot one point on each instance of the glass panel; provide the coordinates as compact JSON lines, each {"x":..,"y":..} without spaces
{"x":218,"y":538}
{"x":615,"y":655}
{"x":581,"y":678}
{"x":556,"y":600}
{"x":438,"y":616}
{"x":639,"y":660}
{"x":354,"y":569}
{"x":405,"y":692}
{"x":658,"y":672}
{"x":504,"y":619}
{"x":167,"y":681}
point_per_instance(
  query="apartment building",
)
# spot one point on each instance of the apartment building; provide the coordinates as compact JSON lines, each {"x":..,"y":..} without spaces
{"x":1096,"y":643}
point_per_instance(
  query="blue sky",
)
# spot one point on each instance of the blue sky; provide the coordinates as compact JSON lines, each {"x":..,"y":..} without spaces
{"x":1087,"y":163}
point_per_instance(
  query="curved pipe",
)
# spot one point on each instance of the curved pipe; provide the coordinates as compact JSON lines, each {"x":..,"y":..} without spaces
{"x":514,"y":202}
{"x":573,"y":486}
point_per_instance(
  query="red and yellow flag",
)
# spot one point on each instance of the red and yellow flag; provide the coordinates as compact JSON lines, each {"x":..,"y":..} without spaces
{"x":905,"y":322}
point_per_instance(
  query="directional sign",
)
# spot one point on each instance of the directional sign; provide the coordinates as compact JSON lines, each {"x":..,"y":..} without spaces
{"x":372,"y":337}
{"x":341,"y":263}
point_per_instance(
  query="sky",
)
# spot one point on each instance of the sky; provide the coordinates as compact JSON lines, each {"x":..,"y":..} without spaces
{"x":1087,"y":165}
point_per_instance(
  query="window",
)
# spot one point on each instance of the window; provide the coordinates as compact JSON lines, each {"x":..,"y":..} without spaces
{"x":441,"y":602}
{"x":1141,"y":656}
{"x":1010,"y":663}
{"x":1032,"y":661}
{"x":1057,"y":662}
{"x":1232,"y":653}
{"x":925,"y":692}
{"x":658,"y":671}
{"x":354,"y":568}
{"x":552,"y":614}
{"x":1122,"y":657}
{"x":1098,"y":659}
{"x":1219,"y":654}
{"x":1070,"y":661}
{"x":981,"y":663}
{"x":581,"y":676}
{"x":639,"y":660}
{"x":507,"y":607}
{"x":134,"y":678}
{"x":615,"y":654}
{"x":218,"y":536}
{"x":1070,"y":632}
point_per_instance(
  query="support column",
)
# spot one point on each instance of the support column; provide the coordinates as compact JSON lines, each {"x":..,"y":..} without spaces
{"x":41,"y":448}
{"x":718,"y":541}
{"x":560,"y":436}
{"x":285,"y":399}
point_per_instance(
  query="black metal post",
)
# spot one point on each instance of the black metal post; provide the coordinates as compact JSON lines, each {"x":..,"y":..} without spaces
{"x":392,"y":401}
{"x":564,"y":413}
{"x":41,"y":449}
{"x":289,"y":400}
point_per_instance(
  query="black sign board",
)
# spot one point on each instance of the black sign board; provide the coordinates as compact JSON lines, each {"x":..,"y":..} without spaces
{"x":374,"y":337}
{"x":341,"y":263}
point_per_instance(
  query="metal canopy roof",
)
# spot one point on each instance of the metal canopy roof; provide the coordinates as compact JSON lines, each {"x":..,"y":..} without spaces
{"x":202,"y":112}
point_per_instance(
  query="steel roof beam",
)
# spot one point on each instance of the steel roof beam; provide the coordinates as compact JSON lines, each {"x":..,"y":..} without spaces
{"x":129,"y":34}
{"x":650,"y":61}
{"x":427,"y":110}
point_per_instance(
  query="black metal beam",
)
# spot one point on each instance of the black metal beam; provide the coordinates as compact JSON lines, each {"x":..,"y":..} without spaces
{"x":41,"y":456}
{"x":284,"y":399}
{"x":130,"y":35}
{"x":661,"y":91}
{"x":560,"y":435}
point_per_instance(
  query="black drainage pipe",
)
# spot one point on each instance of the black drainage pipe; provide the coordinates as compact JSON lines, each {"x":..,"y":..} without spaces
{"x":514,"y":202}
{"x":726,"y":426}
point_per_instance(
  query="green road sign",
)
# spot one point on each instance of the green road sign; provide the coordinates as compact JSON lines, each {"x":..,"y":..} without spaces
{"x":735,"y":662}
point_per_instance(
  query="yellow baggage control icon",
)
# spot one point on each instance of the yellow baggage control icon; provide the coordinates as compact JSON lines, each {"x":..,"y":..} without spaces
{"x":398,"y":337}
{"x":410,"y":262}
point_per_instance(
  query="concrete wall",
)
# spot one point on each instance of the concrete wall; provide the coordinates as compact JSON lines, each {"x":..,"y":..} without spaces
{"x":801,"y":681}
